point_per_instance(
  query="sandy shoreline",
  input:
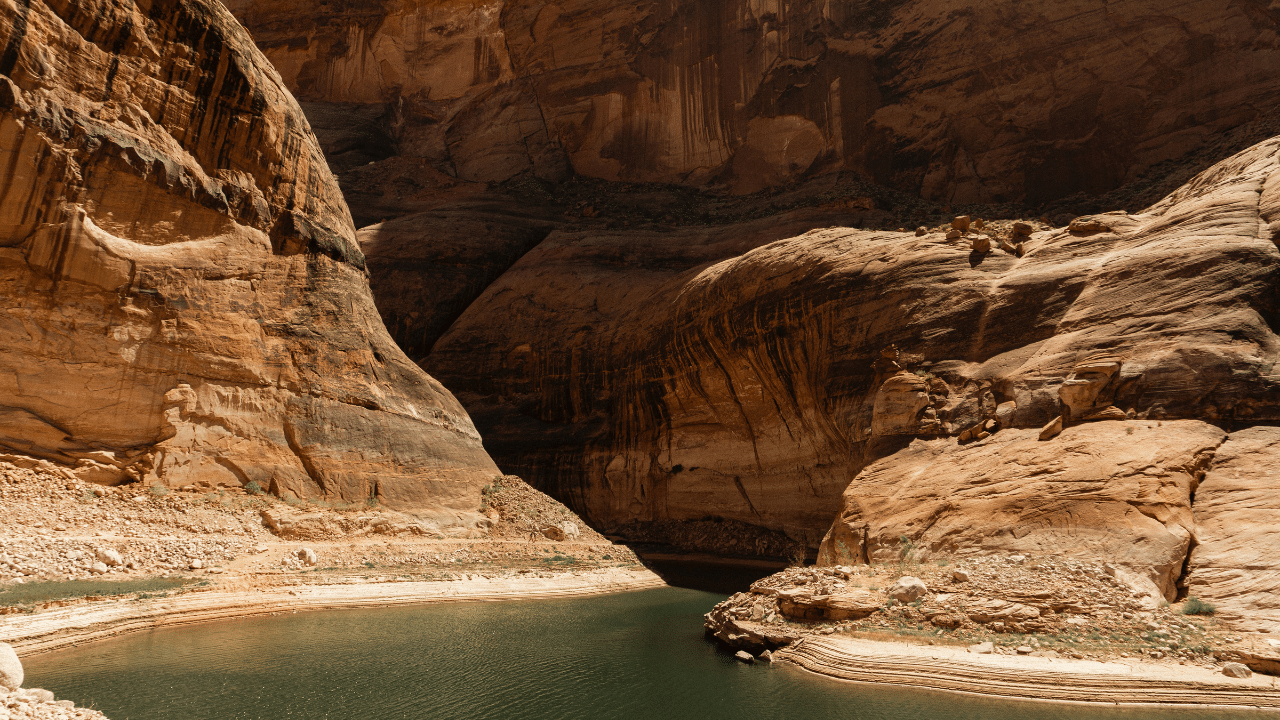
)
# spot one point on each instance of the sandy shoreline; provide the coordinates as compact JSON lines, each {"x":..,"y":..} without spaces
{"x":83,"y":622}
{"x":954,"y":669}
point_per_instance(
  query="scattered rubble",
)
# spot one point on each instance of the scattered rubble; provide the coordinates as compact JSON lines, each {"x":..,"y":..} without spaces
{"x":1013,"y":604}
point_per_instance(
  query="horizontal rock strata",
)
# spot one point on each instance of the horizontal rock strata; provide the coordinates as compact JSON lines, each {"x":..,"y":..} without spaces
{"x":184,"y":298}
{"x":1056,"y":680}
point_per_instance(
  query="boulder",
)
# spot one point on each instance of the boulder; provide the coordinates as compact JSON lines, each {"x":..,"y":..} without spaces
{"x":907,"y":589}
{"x":109,"y":556}
{"x":961,"y":223}
{"x":900,"y":405}
{"x":1236,"y":670}
{"x":988,"y":610}
{"x":983,"y":648}
{"x":1022,"y":229}
{"x":98,"y":568}
{"x":10,"y":668}
{"x":1074,"y":496}
{"x":981,"y":244}
{"x":307,"y":556}
{"x":744,"y":656}
{"x":959,"y":576}
{"x":803,"y":604}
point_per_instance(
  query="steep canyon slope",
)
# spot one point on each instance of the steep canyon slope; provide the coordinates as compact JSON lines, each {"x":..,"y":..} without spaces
{"x":184,"y":298}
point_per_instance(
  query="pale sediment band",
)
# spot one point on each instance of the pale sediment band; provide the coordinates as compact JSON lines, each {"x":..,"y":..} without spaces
{"x":1031,"y":678}
{"x":85,"y":622}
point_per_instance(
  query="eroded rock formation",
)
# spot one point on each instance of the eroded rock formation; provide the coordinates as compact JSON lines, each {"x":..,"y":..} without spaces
{"x":684,"y":374}
{"x":184,"y":299}
{"x":961,"y":103}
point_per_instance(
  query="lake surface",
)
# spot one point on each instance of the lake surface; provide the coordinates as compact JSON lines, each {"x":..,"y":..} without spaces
{"x":634,"y":655}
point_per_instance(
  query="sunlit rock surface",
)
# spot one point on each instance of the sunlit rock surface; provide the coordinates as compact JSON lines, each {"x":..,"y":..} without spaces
{"x":183,"y":297}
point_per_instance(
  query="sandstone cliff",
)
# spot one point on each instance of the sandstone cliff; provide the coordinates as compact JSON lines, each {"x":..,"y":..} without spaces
{"x":959,"y":102}
{"x":184,"y":299}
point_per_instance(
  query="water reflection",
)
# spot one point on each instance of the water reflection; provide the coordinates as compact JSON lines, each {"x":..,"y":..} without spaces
{"x":636,"y":655}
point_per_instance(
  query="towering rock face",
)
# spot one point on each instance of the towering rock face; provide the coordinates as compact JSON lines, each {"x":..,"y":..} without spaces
{"x":184,"y":300}
{"x":683,"y":375}
{"x":999,"y":101}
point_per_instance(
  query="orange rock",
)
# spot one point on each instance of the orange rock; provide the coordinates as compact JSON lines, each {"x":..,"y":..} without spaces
{"x":185,"y":298}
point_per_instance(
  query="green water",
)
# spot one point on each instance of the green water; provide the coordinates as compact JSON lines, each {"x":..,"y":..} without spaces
{"x":634,"y":655}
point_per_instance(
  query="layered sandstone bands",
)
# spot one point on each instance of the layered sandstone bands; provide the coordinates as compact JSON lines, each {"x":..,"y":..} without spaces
{"x":184,"y":297}
{"x":1003,"y":102}
{"x":943,"y":668}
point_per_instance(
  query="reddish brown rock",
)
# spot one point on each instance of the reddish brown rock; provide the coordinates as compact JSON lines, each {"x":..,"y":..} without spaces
{"x":960,"y":102}
{"x":184,"y":301}
{"x":681,"y":373}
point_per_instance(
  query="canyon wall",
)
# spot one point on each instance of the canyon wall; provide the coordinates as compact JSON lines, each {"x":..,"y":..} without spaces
{"x":1003,"y":101}
{"x":724,"y":372}
{"x":1085,"y":390}
{"x":184,"y":298}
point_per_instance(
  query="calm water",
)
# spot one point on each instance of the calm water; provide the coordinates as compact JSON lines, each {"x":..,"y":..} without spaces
{"x":635,"y":655}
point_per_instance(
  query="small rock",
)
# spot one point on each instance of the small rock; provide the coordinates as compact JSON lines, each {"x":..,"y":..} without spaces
{"x":745,"y":656}
{"x":981,"y":243}
{"x":307,"y":556}
{"x":38,"y":695}
{"x":1021,"y":228}
{"x":1236,"y":670}
{"x":908,"y":589}
{"x":922,"y":231}
{"x":197,"y":564}
{"x":1025,"y":650}
{"x":961,"y":223}
{"x":100,"y":492}
{"x":10,"y":668}
{"x":954,"y":234}
{"x":109,"y":556}
{"x":960,"y":576}
{"x":1019,"y":559}
{"x":766,"y":657}
{"x":985,"y":648}
{"x":98,"y":568}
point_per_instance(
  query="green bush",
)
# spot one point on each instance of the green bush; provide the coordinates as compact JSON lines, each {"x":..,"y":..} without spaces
{"x":159,"y":490}
{"x":253,"y":488}
{"x":1194,"y":606}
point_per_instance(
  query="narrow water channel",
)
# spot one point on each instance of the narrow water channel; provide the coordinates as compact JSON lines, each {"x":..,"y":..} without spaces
{"x":634,"y":655}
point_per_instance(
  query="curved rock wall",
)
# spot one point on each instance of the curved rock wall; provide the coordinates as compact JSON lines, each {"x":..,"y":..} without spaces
{"x":1001,"y":101}
{"x":687,"y":374}
{"x":184,"y":300}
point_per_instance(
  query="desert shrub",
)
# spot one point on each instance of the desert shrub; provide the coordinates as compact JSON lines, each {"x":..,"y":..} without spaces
{"x":1195,"y":606}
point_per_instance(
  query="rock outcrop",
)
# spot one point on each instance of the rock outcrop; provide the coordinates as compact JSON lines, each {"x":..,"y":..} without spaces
{"x":1109,"y":491}
{"x":678,"y":373}
{"x":184,"y":298}
{"x":1004,"y":101}
{"x":1235,"y":565}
